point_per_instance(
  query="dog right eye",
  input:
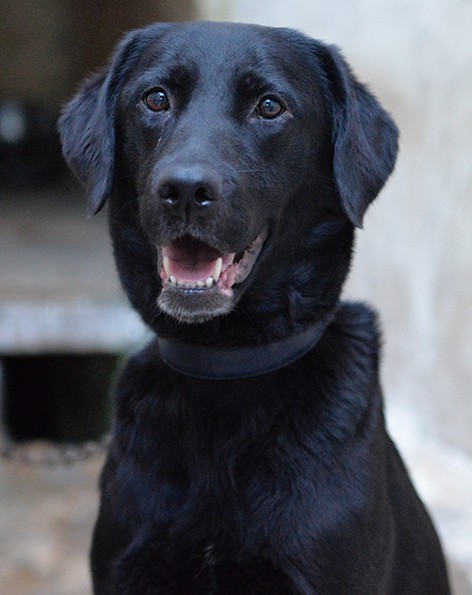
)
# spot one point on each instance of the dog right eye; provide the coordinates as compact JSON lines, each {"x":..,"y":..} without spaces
{"x":269,"y":108}
{"x":156,"y":100}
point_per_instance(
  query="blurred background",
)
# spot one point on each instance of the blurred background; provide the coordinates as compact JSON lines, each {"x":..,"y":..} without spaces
{"x":65,"y":325}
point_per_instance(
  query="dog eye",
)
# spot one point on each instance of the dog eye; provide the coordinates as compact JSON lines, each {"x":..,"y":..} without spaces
{"x":269,"y":108}
{"x":156,"y":100}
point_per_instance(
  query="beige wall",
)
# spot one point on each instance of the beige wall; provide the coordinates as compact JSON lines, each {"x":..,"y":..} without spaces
{"x":414,"y":257}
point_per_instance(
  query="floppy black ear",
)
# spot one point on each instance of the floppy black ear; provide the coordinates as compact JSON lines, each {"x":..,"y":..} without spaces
{"x":87,"y":124}
{"x":365,"y":138}
{"x":88,"y":140}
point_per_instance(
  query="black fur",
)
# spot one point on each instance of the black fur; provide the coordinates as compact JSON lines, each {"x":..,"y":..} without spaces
{"x":285,"y":483}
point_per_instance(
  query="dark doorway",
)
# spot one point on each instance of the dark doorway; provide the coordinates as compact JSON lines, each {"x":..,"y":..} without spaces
{"x":63,"y":398}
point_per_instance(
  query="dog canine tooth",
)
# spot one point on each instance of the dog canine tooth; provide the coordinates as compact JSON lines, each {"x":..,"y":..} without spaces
{"x":218,"y":267}
{"x":166,"y":263}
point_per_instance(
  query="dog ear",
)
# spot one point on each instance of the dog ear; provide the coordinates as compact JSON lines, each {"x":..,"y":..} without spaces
{"x":365,"y":138}
{"x":88,"y":140}
{"x":87,"y":124}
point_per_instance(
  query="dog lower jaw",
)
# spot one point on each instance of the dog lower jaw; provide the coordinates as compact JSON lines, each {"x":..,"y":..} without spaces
{"x":205,"y":304}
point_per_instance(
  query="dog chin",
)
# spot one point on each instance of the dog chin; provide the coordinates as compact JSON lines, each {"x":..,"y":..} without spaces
{"x":192,"y":306}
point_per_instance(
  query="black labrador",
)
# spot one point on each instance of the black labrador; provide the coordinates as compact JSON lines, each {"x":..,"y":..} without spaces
{"x":249,"y":451}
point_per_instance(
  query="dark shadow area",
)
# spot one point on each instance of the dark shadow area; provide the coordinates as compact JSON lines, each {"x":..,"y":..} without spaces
{"x":63,"y":398}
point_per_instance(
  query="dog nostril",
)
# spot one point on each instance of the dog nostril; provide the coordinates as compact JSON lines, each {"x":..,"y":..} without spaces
{"x":203,"y":197}
{"x":169,"y":193}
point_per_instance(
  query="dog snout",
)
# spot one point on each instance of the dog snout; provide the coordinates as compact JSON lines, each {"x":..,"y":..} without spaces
{"x":184,"y":190}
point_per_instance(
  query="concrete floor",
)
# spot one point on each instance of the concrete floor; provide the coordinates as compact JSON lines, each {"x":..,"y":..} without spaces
{"x":46,"y":519}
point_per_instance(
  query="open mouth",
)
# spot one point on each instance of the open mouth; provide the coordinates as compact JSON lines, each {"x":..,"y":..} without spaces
{"x":198,"y":280}
{"x":189,"y":264}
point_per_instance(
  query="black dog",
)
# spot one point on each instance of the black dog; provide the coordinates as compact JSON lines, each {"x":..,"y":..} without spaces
{"x":249,"y":450}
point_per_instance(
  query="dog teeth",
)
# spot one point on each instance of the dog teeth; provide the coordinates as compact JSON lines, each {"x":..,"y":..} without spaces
{"x":217,"y":271}
{"x":191,"y":284}
{"x":166,"y":263}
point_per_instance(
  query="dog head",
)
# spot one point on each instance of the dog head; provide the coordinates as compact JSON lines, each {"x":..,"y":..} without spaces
{"x":237,"y":159}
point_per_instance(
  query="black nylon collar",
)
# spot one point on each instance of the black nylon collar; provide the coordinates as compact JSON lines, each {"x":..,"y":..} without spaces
{"x":231,"y":363}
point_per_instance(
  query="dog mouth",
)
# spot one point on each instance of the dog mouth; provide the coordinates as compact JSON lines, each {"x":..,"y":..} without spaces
{"x":198,"y":279}
{"x":188,"y":263}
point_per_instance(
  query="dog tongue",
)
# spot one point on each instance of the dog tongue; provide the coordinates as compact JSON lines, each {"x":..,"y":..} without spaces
{"x":191,"y":260}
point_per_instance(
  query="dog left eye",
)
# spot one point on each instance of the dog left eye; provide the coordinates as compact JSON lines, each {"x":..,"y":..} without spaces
{"x":156,"y":100}
{"x":269,"y":108}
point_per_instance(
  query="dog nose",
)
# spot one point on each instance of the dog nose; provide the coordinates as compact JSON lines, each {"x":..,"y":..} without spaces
{"x":187,"y":189}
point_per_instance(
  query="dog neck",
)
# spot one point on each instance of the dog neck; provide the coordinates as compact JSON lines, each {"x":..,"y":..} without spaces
{"x":237,"y":362}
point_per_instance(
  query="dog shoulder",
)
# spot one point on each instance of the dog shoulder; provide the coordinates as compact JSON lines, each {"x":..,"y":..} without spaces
{"x":360,"y":321}
{"x":356,"y":333}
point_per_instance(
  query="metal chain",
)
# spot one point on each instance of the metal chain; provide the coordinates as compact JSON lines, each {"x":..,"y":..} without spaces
{"x":48,"y":454}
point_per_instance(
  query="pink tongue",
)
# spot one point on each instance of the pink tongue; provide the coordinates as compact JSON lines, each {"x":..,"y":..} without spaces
{"x":200,"y":272}
{"x":191,"y":260}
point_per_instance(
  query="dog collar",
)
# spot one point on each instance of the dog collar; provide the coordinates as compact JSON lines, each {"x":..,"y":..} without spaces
{"x":231,"y":363}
